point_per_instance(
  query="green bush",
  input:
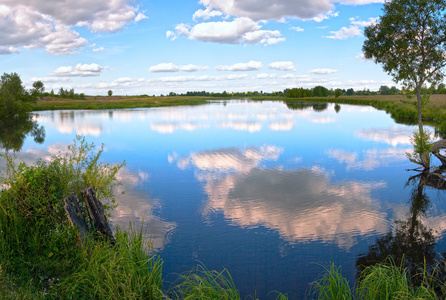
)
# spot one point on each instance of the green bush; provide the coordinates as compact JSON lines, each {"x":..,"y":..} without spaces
{"x":36,"y":239}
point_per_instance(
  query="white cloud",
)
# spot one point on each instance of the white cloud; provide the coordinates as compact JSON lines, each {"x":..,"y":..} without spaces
{"x":249,"y":66}
{"x":140,"y":17}
{"x":280,"y":9}
{"x":98,"y":49}
{"x":8,"y":50}
{"x":81,"y":70}
{"x":324,"y":16}
{"x":170,"y":35}
{"x":364,"y":23}
{"x":362,"y":58}
{"x":298,"y":29}
{"x":240,"y":30}
{"x":49,"y":24}
{"x":322,"y":71}
{"x":345,"y":33}
{"x":266,"y":76}
{"x":206,"y":14}
{"x":282,"y":66}
{"x":171,"y":67}
{"x":270,"y":10}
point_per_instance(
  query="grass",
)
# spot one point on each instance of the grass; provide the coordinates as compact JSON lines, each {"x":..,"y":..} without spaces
{"x":101,"y":102}
{"x":331,"y":285}
{"x":201,"y":283}
{"x":381,"y":281}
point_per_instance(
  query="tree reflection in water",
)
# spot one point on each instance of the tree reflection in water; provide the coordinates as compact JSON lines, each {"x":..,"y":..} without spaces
{"x":14,"y":130}
{"x":411,"y":244}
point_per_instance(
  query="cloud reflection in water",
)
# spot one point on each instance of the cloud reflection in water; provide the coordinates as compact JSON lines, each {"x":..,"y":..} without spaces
{"x":302,"y":204}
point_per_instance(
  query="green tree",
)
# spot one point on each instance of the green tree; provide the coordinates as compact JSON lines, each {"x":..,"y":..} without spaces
{"x":384,"y":90}
{"x":408,"y":40}
{"x":338,"y":93}
{"x":39,"y":88}
{"x":320,"y":91}
{"x":14,"y":98}
{"x":110,"y":93}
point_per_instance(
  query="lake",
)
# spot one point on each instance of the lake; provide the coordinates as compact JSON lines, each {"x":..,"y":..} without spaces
{"x":269,"y":191}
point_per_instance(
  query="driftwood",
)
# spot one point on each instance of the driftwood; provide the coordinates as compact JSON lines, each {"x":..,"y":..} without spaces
{"x":75,"y":217}
{"x":96,"y":213}
{"x":436,"y":147}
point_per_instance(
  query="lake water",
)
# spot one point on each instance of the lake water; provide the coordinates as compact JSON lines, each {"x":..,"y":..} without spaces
{"x":268,"y":192}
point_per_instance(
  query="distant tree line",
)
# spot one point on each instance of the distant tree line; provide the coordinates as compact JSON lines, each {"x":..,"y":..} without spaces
{"x":66,"y":94}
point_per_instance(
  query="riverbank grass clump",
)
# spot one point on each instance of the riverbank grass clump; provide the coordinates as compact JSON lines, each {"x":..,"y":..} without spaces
{"x":380,"y":281}
{"x":40,"y":254}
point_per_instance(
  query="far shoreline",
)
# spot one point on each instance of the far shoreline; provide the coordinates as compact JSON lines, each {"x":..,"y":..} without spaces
{"x":401,"y":108}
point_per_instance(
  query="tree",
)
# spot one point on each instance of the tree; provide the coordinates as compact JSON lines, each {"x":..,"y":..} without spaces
{"x":38,"y":88}
{"x":320,"y":91}
{"x":110,"y":93}
{"x":338,"y":93}
{"x":408,"y":40}
{"x":14,"y":98}
{"x":384,"y":90}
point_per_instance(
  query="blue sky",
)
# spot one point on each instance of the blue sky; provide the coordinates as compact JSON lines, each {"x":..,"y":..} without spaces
{"x":157,"y":47}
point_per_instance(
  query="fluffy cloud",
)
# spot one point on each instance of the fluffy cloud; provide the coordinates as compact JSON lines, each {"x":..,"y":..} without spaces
{"x":8,"y":50}
{"x":353,"y":30}
{"x":206,"y":14}
{"x":81,"y":70}
{"x":240,"y":30}
{"x":282,"y":66}
{"x":250,"y":66}
{"x":279,"y":9}
{"x":48,"y":24}
{"x":322,"y":71}
{"x":298,"y":29}
{"x":345,"y":33}
{"x":171,"y":67}
{"x":270,"y":10}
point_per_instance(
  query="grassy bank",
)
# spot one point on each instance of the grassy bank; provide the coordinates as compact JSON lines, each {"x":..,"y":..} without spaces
{"x":401,"y":109}
{"x":114,"y":102}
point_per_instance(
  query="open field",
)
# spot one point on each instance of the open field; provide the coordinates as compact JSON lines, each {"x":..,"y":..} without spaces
{"x":115,"y":102}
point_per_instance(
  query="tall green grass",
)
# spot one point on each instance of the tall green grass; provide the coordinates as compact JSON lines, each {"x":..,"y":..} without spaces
{"x":381,"y":281}
{"x":124,"y":271}
{"x":331,"y":285}
{"x":201,"y":283}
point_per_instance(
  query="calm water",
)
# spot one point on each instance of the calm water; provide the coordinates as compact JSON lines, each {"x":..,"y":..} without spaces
{"x":267,"y":192}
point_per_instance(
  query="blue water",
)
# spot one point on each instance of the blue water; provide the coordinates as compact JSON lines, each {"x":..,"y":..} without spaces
{"x":267,"y":192}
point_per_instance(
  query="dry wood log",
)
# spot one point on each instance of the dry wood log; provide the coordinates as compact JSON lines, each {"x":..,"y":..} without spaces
{"x":97,"y":215}
{"x":76,"y":217}
{"x":436,"y":147}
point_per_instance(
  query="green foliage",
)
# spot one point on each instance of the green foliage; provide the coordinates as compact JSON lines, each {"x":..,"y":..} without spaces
{"x":14,"y":98}
{"x":388,"y":281}
{"x":320,"y":91}
{"x":31,"y":208}
{"x":110,"y":93}
{"x":299,"y":93}
{"x":124,"y":271}
{"x":331,"y":285}
{"x":203,"y":284}
{"x":422,"y":146}
{"x":380,"y":281}
{"x":408,"y":41}
{"x":338,"y":93}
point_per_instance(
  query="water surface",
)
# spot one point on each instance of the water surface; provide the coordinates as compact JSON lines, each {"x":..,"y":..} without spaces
{"x":264,"y":190}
